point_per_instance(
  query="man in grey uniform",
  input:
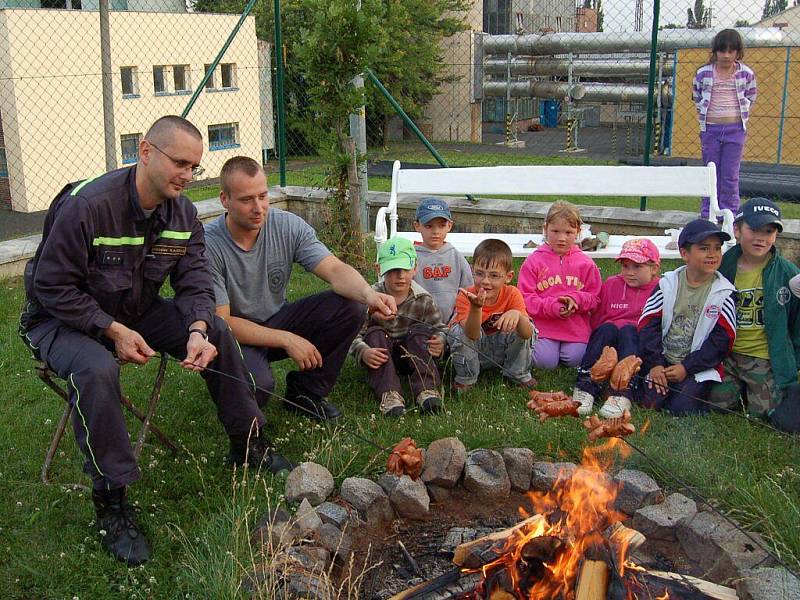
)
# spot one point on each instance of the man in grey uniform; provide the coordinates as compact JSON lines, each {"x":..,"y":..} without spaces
{"x":251,"y":250}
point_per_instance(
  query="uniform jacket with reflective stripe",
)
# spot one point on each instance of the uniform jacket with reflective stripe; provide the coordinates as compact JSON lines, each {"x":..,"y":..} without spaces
{"x":101,"y":260}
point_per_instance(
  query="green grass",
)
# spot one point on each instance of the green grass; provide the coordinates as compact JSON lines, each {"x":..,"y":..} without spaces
{"x":198,"y":514}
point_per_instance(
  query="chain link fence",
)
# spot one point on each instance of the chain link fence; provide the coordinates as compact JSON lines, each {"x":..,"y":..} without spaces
{"x":520,"y":81}
{"x":77,"y":93}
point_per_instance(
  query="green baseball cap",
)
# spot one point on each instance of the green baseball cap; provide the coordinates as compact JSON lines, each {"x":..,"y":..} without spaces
{"x":397,"y":253}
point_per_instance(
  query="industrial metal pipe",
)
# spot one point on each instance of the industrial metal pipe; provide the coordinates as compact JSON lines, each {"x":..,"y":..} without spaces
{"x":581,"y":67}
{"x":613,"y":41}
{"x":585,"y":91}
{"x":535,"y":89}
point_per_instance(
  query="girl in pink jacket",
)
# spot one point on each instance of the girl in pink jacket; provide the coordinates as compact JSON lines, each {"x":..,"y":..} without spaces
{"x":560,"y":285}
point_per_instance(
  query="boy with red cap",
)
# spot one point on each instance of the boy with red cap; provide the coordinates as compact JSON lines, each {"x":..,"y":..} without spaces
{"x":622,"y":298}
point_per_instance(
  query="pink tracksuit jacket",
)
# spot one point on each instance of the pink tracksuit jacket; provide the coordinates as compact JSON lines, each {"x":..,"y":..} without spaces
{"x":545,"y":276}
{"x":620,"y":303}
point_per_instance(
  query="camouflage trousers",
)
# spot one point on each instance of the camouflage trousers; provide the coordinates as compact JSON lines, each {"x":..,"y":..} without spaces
{"x":746,"y":381}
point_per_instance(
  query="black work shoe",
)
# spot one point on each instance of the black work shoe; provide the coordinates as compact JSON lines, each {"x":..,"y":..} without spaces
{"x":313,"y":408}
{"x":257,"y":453}
{"x":117,"y":525}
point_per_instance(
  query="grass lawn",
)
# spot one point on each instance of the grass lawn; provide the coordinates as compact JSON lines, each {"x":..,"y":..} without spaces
{"x":314,"y":176}
{"x":198,"y":514}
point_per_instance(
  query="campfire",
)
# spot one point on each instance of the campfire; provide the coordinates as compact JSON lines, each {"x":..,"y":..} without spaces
{"x":572,"y":545}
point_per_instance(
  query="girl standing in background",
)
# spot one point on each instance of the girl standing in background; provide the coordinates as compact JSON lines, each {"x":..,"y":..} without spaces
{"x":724,"y":91}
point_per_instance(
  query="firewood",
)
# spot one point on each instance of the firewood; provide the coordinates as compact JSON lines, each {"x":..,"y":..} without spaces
{"x":499,"y":594}
{"x":543,"y":548}
{"x":620,"y":535}
{"x":592,"y":581}
{"x":470,"y":552}
{"x":712,"y":590}
{"x":426,"y":588}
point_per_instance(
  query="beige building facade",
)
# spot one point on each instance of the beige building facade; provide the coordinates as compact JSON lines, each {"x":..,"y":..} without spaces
{"x":51,"y":99}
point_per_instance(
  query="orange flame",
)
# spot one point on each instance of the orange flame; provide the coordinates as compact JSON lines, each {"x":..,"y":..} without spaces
{"x":577,"y":511}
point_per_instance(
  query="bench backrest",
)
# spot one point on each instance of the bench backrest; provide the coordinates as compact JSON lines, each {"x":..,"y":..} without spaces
{"x":556,"y":180}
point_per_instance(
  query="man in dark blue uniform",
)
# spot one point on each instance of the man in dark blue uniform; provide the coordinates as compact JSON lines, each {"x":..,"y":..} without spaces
{"x":108,"y":245}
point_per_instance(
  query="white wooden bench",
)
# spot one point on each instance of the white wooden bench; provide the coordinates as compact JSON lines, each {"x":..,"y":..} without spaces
{"x":560,"y":181}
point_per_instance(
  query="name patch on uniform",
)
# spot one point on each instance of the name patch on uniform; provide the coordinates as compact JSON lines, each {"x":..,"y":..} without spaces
{"x":165,"y":250}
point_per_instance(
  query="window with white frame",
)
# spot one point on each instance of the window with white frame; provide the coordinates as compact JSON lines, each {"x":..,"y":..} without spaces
{"x":223,"y":135}
{"x":180,"y":77}
{"x":159,"y":79}
{"x":228,"y":75}
{"x":130,"y":147}
{"x":130,"y":81}
{"x":210,"y":84}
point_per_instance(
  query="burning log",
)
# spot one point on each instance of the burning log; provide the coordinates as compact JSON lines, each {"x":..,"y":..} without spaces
{"x":624,"y":371}
{"x":426,"y":588}
{"x":475,"y":554}
{"x":602,"y":368}
{"x":405,"y":459}
{"x":592,"y":581}
{"x":607,"y":428}
{"x":645,"y":585}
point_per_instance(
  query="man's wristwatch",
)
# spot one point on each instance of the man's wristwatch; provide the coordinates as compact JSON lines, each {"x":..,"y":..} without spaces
{"x":200,"y":331}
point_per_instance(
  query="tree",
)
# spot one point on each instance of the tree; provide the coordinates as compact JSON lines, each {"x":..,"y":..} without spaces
{"x":742,"y":23}
{"x":773,"y":7}
{"x":700,"y":18}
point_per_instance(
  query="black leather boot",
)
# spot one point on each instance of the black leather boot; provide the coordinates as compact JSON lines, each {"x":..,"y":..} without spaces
{"x":118,"y":528}
{"x":257,"y":452}
{"x":307,"y":404}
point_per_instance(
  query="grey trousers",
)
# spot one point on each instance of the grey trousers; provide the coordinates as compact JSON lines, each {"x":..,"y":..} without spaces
{"x":506,"y":349}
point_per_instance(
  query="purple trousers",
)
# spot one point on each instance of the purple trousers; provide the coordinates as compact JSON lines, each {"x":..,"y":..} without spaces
{"x":723,"y":144}
{"x":548,"y":353}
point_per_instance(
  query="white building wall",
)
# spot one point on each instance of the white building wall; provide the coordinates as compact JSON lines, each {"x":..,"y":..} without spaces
{"x":51,"y":96}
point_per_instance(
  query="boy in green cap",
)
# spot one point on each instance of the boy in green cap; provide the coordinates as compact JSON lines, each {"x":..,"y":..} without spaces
{"x":407,"y":344}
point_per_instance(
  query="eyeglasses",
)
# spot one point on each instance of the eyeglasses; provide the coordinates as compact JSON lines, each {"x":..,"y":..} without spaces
{"x":196,"y":170}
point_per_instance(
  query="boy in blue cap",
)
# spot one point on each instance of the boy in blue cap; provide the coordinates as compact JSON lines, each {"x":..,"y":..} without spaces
{"x":441,"y":269}
{"x":688,"y":325}
{"x":766,"y":354}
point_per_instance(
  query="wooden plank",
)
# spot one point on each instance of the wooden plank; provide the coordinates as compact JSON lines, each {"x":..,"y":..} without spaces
{"x":712,"y":590}
{"x":463,"y":551}
{"x":592,"y":581}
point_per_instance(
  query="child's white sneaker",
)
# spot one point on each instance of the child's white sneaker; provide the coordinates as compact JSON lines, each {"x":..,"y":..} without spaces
{"x":392,"y":404}
{"x":614,"y":407}
{"x":586,"y":400}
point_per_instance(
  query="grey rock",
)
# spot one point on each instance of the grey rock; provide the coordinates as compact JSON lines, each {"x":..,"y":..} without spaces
{"x":410,"y":498}
{"x":659,"y":521}
{"x":720,"y":550}
{"x":368,"y":499}
{"x":274,"y":534}
{"x":636,"y":489}
{"x":313,"y":558}
{"x":333,"y":513}
{"x":768,"y":584}
{"x":438,"y":493}
{"x":334,"y":540}
{"x":519,"y":465}
{"x":309,"y":586}
{"x":485,"y":474}
{"x":388,"y":481}
{"x":546,"y":474}
{"x":444,"y":462}
{"x":310,"y":481}
{"x":306,"y":519}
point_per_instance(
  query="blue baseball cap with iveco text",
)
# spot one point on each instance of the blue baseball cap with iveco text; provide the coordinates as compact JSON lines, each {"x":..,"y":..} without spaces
{"x":430,"y":208}
{"x":698,"y":230}
{"x":758,"y":212}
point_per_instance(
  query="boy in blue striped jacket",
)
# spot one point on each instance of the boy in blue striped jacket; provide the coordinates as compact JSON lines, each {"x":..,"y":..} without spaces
{"x":688,"y":325}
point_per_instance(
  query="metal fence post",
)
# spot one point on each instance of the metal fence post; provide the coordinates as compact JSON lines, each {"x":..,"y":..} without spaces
{"x":107,"y":86}
{"x":281,"y":116}
{"x":648,"y":135}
